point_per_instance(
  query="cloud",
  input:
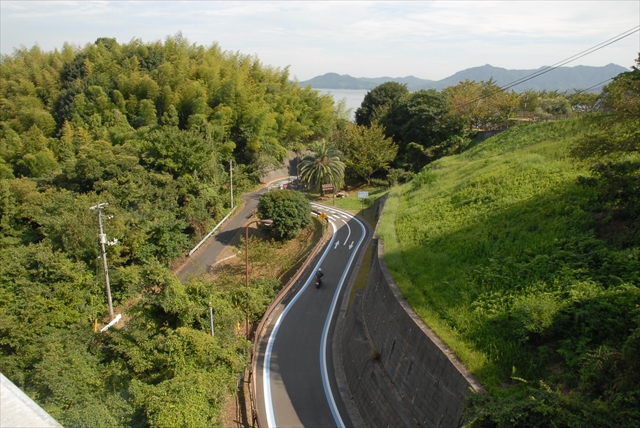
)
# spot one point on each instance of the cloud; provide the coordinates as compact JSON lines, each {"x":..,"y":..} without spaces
{"x":427,"y":39}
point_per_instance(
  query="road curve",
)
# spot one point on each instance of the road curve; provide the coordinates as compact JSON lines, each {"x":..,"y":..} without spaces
{"x":206,"y":256}
{"x":295,"y":385}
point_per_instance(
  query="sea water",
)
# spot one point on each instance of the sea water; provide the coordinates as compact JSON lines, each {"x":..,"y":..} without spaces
{"x":353,"y":97}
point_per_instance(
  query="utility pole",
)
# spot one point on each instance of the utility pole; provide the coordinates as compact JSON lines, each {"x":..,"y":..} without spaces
{"x":211,"y":319}
{"x":231,"y":178}
{"x":103,"y":242}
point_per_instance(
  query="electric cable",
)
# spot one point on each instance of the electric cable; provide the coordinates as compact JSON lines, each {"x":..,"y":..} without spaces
{"x":573,"y":58}
{"x":591,"y":87}
{"x":547,"y":69}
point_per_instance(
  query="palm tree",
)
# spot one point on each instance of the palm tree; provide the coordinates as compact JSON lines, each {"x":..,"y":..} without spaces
{"x":322,"y":166}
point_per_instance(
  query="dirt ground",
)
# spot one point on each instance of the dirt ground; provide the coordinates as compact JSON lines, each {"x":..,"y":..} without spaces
{"x":237,"y":411}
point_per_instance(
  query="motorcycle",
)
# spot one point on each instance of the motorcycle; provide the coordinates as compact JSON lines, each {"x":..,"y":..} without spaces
{"x":319,"y":276}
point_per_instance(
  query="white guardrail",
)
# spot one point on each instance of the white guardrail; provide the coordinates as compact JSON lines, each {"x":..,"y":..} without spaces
{"x":270,"y":186}
{"x":281,"y":182}
{"x":211,"y":233}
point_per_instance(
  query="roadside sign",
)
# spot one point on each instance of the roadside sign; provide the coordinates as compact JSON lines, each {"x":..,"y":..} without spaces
{"x":327,"y":187}
{"x":323,"y":216}
{"x":362,"y":195}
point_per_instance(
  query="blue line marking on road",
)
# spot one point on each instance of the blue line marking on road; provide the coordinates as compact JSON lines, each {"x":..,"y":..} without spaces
{"x":266,"y":373}
{"x":325,"y":334}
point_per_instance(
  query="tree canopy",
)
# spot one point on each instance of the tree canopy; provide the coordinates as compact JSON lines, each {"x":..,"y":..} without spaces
{"x":377,"y":100}
{"x":323,"y":165}
{"x":290,"y":211}
{"x":424,"y":127}
{"x":149,"y":129}
{"x":613,"y":148}
{"x":367,"y":149}
{"x":481,"y":105}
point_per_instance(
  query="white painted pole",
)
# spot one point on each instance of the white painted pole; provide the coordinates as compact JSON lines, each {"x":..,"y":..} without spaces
{"x":211,"y":318}
{"x":231,"y":178}
{"x":113,"y":321}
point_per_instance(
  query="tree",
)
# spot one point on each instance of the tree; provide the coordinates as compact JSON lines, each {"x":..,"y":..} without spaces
{"x":465,"y":99}
{"x":583,"y":102}
{"x":147,"y":114}
{"x":554,"y":106}
{"x":290,"y":211}
{"x":481,"y":105}
{"x":378,"y":100}
{"x":424,"y":127}
{"x":322,"y":166}
{"x":368,"y":149}
{"x":179,"y":152}
{"x":621,"y":98}
{"x":614,"y":144}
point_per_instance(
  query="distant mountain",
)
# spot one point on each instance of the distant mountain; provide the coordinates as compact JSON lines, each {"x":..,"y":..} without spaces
{"x":344,"y":81}
{"x":560,"y":79}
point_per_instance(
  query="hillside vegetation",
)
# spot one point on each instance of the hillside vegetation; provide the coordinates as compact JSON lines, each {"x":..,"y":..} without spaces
{"x":149,"y":128}
{"x":518,"y":257}
{"x":513,"y":255}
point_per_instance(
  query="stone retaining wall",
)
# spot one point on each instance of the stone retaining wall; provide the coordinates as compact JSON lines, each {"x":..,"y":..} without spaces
{"x":288,"y":167}
{"x":398,"y":372}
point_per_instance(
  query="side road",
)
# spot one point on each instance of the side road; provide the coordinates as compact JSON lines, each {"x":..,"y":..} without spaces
{"x":207,"y":254}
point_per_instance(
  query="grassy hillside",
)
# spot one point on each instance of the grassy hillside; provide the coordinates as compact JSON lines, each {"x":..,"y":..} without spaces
{"x":501,"y":252}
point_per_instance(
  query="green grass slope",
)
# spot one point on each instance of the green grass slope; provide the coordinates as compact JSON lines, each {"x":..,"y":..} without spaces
{"x":501,"y":254}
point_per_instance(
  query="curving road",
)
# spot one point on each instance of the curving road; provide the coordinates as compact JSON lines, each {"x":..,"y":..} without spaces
{"x":207,"y":255}
{"x":295,"y":385}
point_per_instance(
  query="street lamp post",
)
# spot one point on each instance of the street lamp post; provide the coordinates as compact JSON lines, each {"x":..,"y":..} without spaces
{"x":246,"y":253}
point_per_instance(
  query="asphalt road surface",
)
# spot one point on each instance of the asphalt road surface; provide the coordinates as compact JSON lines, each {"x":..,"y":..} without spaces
{"x":207,"y":254}
{"x":295,"y":385}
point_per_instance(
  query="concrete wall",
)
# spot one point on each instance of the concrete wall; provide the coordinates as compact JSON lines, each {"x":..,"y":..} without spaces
{"x":287,"y":168}
{"x":398,"y":372}
{"x":483,"y":135}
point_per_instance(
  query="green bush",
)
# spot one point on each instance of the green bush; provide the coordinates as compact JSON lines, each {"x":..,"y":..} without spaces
{"x":290,"y":211}
{"x":424,"y":177}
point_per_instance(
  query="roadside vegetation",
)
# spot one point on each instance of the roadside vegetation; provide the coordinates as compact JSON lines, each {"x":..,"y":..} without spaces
{"x":148,"y":128}
{"x":523,"y":254}
{"x":529,"y":236}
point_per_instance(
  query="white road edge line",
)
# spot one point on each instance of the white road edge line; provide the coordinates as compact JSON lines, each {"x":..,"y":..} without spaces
{"x":325,"y":333}
{"x":266,"y":373}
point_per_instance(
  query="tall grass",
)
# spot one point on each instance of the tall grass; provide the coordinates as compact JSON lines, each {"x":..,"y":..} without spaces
{"x":492,"y":246}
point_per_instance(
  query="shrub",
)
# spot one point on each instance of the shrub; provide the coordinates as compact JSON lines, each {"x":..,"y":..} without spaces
{"x":424,"y":177}
{"x":290,"y":211}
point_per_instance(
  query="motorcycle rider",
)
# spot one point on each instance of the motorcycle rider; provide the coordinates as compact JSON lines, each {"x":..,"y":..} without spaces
{"x":319,"y":276}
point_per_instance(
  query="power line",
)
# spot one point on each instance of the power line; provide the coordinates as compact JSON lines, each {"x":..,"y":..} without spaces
{"x":594,"y":86}
{"x":565,"y":61}
{"x":574,"y":57}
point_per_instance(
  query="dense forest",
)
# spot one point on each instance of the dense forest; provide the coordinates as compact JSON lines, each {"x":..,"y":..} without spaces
{"x":148,"y":128}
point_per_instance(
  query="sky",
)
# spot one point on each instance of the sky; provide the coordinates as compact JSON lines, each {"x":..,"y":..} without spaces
{"x":427,"y":39}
